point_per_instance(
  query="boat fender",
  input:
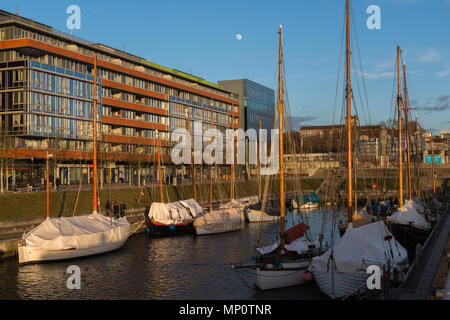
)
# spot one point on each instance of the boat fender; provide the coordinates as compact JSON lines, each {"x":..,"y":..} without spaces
{"x":307,"y":276}
{"x":172,"y":227}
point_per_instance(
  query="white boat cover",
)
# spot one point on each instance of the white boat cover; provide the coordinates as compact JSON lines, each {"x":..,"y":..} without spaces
{"x":193,"y":206}
{"x":235,"y":204}
{"x":219,"y":221}
{"x":361,"y":247}
{"x":78,"y":232}
{"x":175,"y":212}
{"x":298,"y":245}
{"x":408,"y":214}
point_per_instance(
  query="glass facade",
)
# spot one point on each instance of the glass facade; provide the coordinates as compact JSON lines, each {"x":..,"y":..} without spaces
{"x":257,"y":103}
{"x":260,"y":104}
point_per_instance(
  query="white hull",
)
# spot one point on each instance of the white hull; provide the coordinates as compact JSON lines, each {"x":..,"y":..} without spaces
{"x":259,"y":216}
{"x":75,"y":244}
{"x":338,"y":285}
{"x":219,"y":221}
{"x":29,"y":255}
{"x":309,"y":205}
{"x":290,"y":275}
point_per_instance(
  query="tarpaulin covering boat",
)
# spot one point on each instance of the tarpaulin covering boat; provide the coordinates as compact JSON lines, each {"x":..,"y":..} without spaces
{"x":71,"y":237}
{"x":343,"y":268}
{"x":172,"y":218}
{"x":408,"y":215}
{"x":218,"y":221}
{"x":175,"y":212}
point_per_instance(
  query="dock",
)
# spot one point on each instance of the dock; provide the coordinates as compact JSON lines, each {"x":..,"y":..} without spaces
{"x":424,"y":274}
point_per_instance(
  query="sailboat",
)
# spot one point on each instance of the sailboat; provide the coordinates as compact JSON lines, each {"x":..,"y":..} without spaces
{"x":77,"y":236}
{"x":408,"y":223}
{"x":342,"y":268}
{"x":285,"y":262}
{"x":174,"y":217}
{"x":309,"y":201}
{"x":225,"y":219}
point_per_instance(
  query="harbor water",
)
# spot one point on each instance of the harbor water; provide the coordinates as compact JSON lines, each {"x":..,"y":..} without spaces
{"x":181,"y":267}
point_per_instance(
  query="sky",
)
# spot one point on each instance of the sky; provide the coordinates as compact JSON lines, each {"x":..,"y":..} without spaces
{"x":200,"y":37}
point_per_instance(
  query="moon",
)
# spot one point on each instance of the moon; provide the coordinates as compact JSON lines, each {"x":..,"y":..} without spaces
{"x":239,"y":36}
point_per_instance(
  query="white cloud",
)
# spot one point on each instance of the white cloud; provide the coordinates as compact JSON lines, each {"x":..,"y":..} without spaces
{"x":385,"y":64}
{"x":372,"y":75}
{"x":431,"y":55}
{"x":444,"y":73}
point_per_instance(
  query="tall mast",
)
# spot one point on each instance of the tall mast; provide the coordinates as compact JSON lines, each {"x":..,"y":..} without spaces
{"x":94,"y":136}
{"x":211,"y":174}
{"x":159,"y":168}
{"x":280,"y":112}
{"x":232,"y":167}
{"x":399,"y":111}
{"x":259,"y":168}
{"x":348,"y":92}
{"x":47,"y":183}
{"x":192,"y":157}
{"x":408,"y":156}
{"x":354,"y":178}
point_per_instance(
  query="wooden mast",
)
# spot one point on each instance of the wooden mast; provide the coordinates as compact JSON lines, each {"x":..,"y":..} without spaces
{"x":232,"y":165}
{"x":280,"y":113}
{"x":259,"y":167}
{"x":192,"y":156}
{"x":348,"y":90}
{"x":408,"y":156}
{"x":94,"y":136}
{"x":399,"y":111}
{"x":211,"y":174}
{"x":47,"y":183}
{"x":159,"y":168}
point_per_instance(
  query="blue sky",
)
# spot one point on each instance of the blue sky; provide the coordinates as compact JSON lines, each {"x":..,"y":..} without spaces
{"x":199,"y":36}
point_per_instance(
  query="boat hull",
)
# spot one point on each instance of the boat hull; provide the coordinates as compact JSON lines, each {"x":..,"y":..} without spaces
{"x":309,"y":206}
{"x":203,"y":231}
{"x":259,"y":216}
{"x":219,"y":221}
{"x":163,"y":229}
{"x":409,"y":237}
{"x":338,"y":285}
{"x":289,"y":275}
{"x":29,"y":254}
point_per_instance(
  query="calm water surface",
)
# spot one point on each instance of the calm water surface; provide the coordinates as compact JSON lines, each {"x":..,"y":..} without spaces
{"x":182,"y":267}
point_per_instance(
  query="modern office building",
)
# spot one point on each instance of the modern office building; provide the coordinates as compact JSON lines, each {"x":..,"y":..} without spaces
{"x":46,"y":93}
{"x":256,"y":101}
{"x":257,"y":104}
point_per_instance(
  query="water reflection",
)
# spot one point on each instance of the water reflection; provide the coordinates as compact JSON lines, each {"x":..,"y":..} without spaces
{"x":182,"y":267}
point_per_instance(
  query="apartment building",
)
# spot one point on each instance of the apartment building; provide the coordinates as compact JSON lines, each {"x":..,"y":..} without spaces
{"x":46,"y":94}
